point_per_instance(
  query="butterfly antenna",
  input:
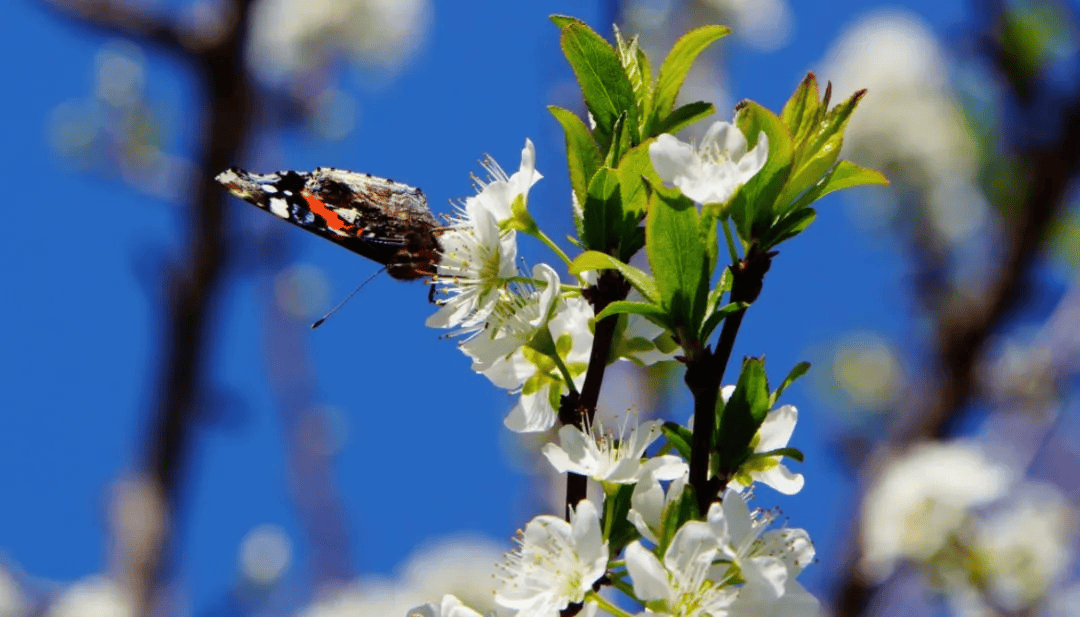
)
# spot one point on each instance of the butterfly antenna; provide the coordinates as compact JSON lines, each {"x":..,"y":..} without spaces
{"x":352,"y":293}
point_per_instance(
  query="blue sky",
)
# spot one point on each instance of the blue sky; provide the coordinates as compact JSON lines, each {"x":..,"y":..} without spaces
{"x":80,"y":345}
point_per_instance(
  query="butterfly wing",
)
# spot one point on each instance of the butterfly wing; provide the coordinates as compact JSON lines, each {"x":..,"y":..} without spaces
{"x":385,"y":221}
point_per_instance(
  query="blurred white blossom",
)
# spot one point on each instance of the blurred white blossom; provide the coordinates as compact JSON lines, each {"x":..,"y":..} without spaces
{"x":765,"y":24}
{"x":293,"y":37}
{"x":13,"y":602}
{"x":449,"y":606}
{"x":462,"y":566}
{"x":1026,"y":546}
{"x":922,"y":498}
{"x":265,"y":554}
{"x":910,"y":122}
{"x":92,"y":597}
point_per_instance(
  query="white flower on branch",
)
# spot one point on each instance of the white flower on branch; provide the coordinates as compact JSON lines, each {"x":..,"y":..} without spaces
{"x":715,"y":169}
{"x":649,"y":500}
{"x":773,"y":434}
{"x":555,"y":564}
{"x":605,"y":457}
{"x":686,"y":582}
{"x":478,"y":255}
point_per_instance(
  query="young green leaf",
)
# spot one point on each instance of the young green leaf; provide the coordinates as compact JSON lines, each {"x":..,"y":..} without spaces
{"x":603,"y":212}
{"x":653,"y":312}
{"x":679,"y":437}
{"x":619,"y":531}
{"x":678,"y":257}
{"x":798,"y":371}
{"x":794,"y":454}
{"x":717,"y":316}
{"x":684,"y":116}
{"x":595,"y":260}
{"x":820,"y":150}
{"x":801,"y":110}
{"x":788,"y":226}
{"x":738,"y":421}
{"x":634,"y":166}
{"x":604,"y":85}
{"x":752,"y":208}
{"x":581,"y":153}
{"x":844,"y":175}
{"x":674,"y":69}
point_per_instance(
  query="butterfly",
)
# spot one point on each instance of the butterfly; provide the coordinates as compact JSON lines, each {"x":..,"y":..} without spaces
{"x":388,"y":222}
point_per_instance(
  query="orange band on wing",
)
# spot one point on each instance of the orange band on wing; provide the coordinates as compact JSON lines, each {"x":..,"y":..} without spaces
{"x":332,"y":219}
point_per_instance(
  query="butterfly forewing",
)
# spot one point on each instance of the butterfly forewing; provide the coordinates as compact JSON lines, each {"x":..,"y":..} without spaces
{"x":385,"y":221}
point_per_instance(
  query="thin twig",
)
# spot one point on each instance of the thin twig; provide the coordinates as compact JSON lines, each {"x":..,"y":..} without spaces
{"x":193,"y":285}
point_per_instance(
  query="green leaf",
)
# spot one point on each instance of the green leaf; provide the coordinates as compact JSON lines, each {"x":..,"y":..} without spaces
{"x":603,"y":82}
{"x":683,"y":509}
{"x":844,"y":175}
{"x":684,"y":116}
{"x":620,"y":142}
{"x":798,"y":371}
{"x":620,"y":531}
{"x":645,"y":97}
{"x":801,"y":110}
{"x":652,"y":312}
{"x":719,"y":315}
{"x":674,"y":69}
{"x":602,"y":212}
{"x":565,"y":20}
{"x":581,"y":153}
{"x":678,"y":257}
{"x":679,"y":437}
{"x":738,"y":421}
{"x":789,"y":226}
{"x":595,"y":260}
{"x":634,"y":166}
{"x":819,"y":152}
{"x":636,"y":65}
{"x":752,"y":208}
{"x":793,"y":453}
{"x":722,"y":287}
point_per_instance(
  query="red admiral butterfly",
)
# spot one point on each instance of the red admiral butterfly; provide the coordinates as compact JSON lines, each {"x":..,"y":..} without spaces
{"x":382,"y":220}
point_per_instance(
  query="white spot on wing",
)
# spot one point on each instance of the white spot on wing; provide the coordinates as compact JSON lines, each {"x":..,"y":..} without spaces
{"x":279,"y":207}
{"x":269,"y":188}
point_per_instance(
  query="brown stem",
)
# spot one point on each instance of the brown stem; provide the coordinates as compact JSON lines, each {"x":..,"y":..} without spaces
{"x":579,"y":411}
{"x":705,"y":373}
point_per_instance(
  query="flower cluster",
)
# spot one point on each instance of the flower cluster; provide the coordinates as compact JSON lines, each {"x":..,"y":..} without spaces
{"x":672,"y":530}
{"x":529,"y":334}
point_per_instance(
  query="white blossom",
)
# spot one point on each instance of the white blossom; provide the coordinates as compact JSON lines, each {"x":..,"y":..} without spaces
{"x":542,"y":384}
{"x":605,"y":457}
{"x":556,"y":563}
{"x":92,"y":597}
{"x":685,"y":582}
{"x":715,"y":169}
{"x":649,"y":500}
{"x":774,"y":433}
{"x":478,"y":255}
